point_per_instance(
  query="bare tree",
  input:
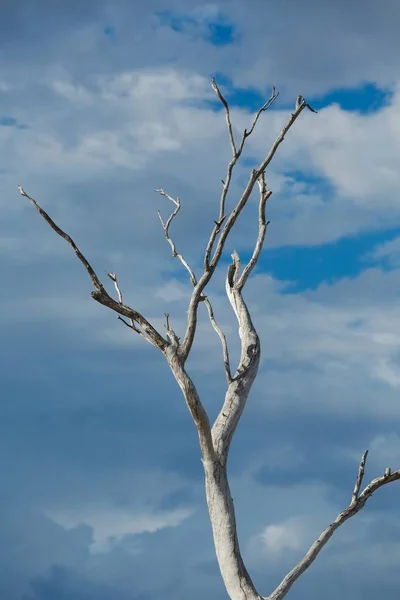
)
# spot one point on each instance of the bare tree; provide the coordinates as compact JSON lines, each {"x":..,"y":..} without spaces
{"x":215,"y":440}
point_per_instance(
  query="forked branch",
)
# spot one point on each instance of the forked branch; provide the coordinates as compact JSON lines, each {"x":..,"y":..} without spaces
{"x":131,"y":324}
{"x":193,"y":279}
{"x":236,"y":153}
{"x":356,"y":504}
{"x":210,"y":264}
{"x":166,"y":225}
{"x":100,"y":294}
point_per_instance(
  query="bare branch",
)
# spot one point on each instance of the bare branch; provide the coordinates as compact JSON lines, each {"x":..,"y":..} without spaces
{"x":211,"y":264}
{"x":113,"y":278}
{"x":250,"y":185}
{"x":165,"y":226}
{"x":265,"y":107}
{"x":216,"y":89}
{"x":222,"y":337}
{"x":238,"y":390}
{"x":231,"y":165}
{"x":357,"y":503}
{"x":95,"y":280}
{"x":262,"y":228}
{"x":360,"y":476}
{"x":132,"y":326}
{"x":193,"y":402}
{"x":194,"y":282}
{"x":100,"y":294}
{"x":173,"y":338}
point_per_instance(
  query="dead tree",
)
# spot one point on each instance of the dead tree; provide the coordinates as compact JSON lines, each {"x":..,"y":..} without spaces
{"x":215,"y":440}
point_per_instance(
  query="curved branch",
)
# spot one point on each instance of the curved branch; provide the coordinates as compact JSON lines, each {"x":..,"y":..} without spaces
{"x":100,"y":294}
{"x":262,"y":229}
{"x":193,"y":279}
{"x":165,"y":226}
{"x":222,"y":337}
{"x":194,"y":404}
{"x":239,"y":388}
{"x":356,"y":504}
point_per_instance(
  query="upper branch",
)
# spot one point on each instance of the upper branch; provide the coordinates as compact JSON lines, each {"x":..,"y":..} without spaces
{"x":193,"y":279}
{"x":262,"y":228}
{"x":216,"y":89}
{"x":236,"y":153}
{"x":100,"y":294}
{"x":239,"y":387}
{"x":210,"y":264}
{"x":300,"y":106}
{"x":165,"y":226}
{"x":222,"y":337}
{"x":356,"y":504}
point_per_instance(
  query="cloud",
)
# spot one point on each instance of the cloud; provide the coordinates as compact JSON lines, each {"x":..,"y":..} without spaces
{"x":206,"y":22}
{"x":87,"y":433}
{"x":110,"y":525}
{"x":282,"y":537}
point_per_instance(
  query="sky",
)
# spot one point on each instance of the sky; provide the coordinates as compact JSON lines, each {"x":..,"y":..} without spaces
{"x":101,"y":102}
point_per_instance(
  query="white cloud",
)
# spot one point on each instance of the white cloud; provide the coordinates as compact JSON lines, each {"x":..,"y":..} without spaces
{"x":388,"y":250}
{"x":289,"y":535}
{"x":116,"y":523}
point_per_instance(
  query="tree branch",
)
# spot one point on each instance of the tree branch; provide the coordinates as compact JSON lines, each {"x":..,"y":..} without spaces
{"x":356,"y":504}
{"x":100,"y":294}
{"x":210,"y":265}
{"x":193,"y":280}
{"x":235,"y":157}
{"x":165,"y":226}
{"x":216,"y":89}
{"x":359,"y":479}
{"x":262,"y":228}
{"x":239,"y":388}
{"x":222,"y":337}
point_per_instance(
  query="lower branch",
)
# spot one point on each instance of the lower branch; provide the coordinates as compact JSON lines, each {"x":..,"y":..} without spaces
{"x":356,"y":504}
{"x":195,"y":406}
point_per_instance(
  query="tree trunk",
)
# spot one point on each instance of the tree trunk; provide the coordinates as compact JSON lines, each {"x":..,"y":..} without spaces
{"x":222,"y":515}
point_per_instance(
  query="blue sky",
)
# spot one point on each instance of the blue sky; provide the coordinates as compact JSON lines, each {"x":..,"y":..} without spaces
{"x":100,"y":103}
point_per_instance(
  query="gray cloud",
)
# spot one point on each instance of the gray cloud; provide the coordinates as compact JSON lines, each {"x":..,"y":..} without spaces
{"x":91,"y":420}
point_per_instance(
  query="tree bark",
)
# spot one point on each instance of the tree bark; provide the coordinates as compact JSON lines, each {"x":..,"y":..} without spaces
{"x":222,"y":515}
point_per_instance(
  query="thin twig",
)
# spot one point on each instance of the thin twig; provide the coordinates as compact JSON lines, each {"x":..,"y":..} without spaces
{"x":132,"y":325}
{"x":265,"y":107}
{"x":193,"y":280}
{"x":216,"y":89}
{"x":173,"y":338}
{"x":113,"y":278}
{"x":360,"y":476}
{"x":262,"y":228}
{"x":222,"y":337}
{"x":165,"y":226}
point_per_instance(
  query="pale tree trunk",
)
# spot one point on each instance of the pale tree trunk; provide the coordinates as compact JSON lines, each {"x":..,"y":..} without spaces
{"x":215,"y":441}
{"x":222,"y":515}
